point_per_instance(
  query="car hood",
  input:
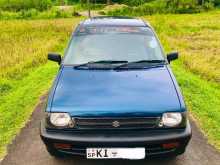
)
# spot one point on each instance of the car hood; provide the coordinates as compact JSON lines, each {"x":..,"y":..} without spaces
{"x":148,"y":92}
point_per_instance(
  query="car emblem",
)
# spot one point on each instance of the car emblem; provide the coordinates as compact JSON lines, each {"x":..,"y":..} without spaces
{"x":115,"y":124}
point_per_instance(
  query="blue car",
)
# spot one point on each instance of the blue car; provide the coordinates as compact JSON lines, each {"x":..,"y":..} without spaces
{"x":115,"y":96}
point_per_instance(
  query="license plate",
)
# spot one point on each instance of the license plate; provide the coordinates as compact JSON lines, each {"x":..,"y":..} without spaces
{"x":115,"y":153}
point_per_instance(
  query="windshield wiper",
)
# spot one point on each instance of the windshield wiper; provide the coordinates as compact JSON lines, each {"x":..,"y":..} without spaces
{"x":92,"y":63}
{"x":141,"y":64}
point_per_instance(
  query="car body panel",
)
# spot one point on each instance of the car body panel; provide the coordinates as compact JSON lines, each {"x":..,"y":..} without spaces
{"x":146,"y":92}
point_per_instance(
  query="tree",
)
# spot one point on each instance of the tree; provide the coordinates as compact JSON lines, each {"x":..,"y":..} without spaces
{"x":174,"y":3}
{"x":109,"y":2}
{"x":200,"y":2}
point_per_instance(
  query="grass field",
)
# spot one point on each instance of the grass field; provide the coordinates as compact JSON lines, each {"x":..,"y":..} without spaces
{"x":25,"y":75}
{"x":197,"y":38}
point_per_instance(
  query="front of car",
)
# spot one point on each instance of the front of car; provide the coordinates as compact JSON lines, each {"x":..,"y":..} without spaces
{"x":114,"y":95}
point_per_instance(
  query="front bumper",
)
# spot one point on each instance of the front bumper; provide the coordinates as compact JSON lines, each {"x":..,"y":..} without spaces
{"x":152,"y":140}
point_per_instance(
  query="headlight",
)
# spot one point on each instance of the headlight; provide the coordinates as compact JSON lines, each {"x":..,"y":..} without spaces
{"x":171,"y":119}
{"x":60,"y":119}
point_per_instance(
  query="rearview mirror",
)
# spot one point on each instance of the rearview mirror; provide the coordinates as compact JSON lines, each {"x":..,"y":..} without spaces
{"x":55,"y":57}
{"x":172,"y":56}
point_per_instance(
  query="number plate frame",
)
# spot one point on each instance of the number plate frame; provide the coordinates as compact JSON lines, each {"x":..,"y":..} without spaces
{"x":115,"y":153}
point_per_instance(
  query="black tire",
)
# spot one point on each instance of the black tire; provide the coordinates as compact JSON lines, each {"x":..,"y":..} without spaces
{"x":54,"y":152}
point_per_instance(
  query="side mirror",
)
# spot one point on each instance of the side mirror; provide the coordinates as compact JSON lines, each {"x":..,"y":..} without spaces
{"x":172,"y":56}
{"x":55,"y":57}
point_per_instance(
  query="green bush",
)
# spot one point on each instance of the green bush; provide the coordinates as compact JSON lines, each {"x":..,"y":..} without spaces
{"x":133,"y":2}
{"x":208,"y":6}
{"x":54,"y":12}
{"x":18,"y":5}
{"x":74,"y":12}
{"x":43,"y":4}
{"x":217,"y":2}
{"x":61,"y":14}
{"x":145,"y":9}
{"x":29,"y":13}
{"x":161,"y":6}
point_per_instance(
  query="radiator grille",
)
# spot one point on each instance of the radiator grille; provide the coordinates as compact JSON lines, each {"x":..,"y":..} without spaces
{"x":116,"y":123}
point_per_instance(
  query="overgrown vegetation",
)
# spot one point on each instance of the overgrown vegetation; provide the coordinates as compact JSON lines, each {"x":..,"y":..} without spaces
{"x":142,"y":7}
{"x":197,"y":40}
{"x":23,"y":73}
{"x":37,"y":9}
{"x":54,"y":12}
{"x":42,"y":9}
{"x":17,"y":5}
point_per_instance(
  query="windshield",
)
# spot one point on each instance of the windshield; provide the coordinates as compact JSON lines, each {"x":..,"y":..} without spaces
{"x":91,"y":44}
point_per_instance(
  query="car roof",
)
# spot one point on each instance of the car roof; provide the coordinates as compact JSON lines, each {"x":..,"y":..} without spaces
{"x":114,"y":21}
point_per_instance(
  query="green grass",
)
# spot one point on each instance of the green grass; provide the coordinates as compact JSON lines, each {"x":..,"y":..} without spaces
{"x":203,"y":101}
{"x":25,"y":74}
{"x":25,"y":44}
{"x":17,"y":106}
{"x":196,"y":37}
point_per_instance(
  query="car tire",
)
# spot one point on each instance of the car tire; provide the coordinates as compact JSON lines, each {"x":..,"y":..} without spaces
{"x":54,"y":152}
